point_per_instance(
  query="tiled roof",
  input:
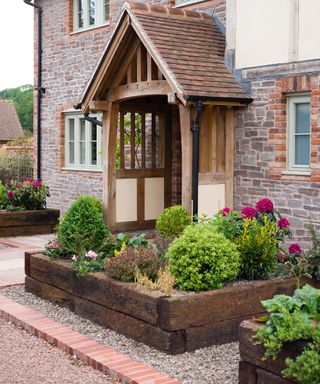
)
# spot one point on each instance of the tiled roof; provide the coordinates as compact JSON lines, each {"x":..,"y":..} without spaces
{"x":10,"y":127}
{"x":191,"y":47}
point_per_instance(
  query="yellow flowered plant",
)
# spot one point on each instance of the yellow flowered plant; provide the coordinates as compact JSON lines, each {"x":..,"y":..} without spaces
{"x":119,"y":252}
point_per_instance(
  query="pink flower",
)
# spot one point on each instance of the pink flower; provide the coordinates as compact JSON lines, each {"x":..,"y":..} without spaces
{"x":27,"y":180}
{"x":248,"y":212}
{"x":10,"y":194}
{"x":283,"y":223}
{"x":226,"y":211}
{"x":36,"y":183}
{"x":53,"y":245}
{"x":91,"y":255}
{"x":264,"y":205}
{"x":282,"y":257}
{"x":74,"y":258}
{"x":295,"y":249}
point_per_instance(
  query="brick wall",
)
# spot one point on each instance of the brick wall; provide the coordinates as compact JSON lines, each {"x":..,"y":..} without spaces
{"x":260,"y":141}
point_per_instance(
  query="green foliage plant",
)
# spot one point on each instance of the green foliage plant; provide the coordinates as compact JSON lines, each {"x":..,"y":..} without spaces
{"x":124,"y":265}
{"x":313,"y":254}
{"x":124,"y":240}
{"x":258,"y":246}
{"x":172,"y":221}
{"x":202,"y":259}
{"x":82,"y":228}
{"x":293,"y":319}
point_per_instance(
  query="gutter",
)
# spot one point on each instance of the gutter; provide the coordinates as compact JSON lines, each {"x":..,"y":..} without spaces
{"x":40,"y":89}
{"x":244,"y":100}
{"x":92,"y":120}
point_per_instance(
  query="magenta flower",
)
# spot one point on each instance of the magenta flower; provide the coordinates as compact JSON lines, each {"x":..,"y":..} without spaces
{"x":226,"y":211}
{"x":10,"y":194}
{"x":264,"y":205}
{"x":36,"y":183}
{"x":283,"y":223}
{"x":248,"y":212}
{"x":91,"y":255}
{"x":295,"y":249}
{"x":53,"y":245}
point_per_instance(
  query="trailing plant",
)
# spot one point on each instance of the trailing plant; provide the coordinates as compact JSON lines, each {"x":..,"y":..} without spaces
{"x":82,"y":228}
{"x":202,"y":259}
{"x":124,"y":265}
{"x":88,"y":262}
{"x":27,"y":195}
{"x":292,"y":319}
{"x":313,"y":255}
{"x":172,"y":221}
{"x":258,"y":247}
{"x":163,"y":283}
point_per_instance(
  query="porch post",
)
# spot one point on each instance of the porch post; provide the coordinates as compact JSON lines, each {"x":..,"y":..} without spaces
{"x":110,"y":123}
{"x":186,"y":149}
{"x":229,"y":156}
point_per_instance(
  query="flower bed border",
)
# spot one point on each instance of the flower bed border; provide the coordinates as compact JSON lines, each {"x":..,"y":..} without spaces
{"x":22,"y":223}
{"x":171,"y":324}
{"x":254,"y":370}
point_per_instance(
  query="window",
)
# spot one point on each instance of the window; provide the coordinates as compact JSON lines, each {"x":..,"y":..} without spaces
{"x":90,"y":13}
{"x":299,"y":133}
{"x":82,"y":143}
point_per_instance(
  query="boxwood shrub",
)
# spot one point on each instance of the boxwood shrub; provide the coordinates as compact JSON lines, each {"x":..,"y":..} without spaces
{"x":173,"y":221}
{"x":202,"y":259}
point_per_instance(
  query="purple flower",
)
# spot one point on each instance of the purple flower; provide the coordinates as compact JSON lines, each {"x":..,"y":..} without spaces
{"x":36,"y":183}
{"x":226,"y":211}
{"x":10,"y":194}
{"x":264,"y":205}
{"x":295,"y":249}
{"x":283,"y":223}
{"x":91,"y":255}
{"x":248,"y":212}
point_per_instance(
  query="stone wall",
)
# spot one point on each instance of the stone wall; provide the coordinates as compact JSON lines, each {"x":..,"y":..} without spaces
{"x":260,"y":140}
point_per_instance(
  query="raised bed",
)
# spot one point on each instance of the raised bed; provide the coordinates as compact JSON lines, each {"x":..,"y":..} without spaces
{"x":254,"y":370}
{"x":171,"y":324}
{"x":24,"y":223}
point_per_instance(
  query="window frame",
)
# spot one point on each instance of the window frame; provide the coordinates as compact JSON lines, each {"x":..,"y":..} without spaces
{"x":100,"y":19}
{"x":87,"y":166}
{"x":292,"y":101}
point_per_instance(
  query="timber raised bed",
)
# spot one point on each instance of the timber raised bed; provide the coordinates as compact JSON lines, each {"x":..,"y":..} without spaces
{"x":254,"y":370}
{"x":22,"y":223}
{"x":172,"y":324}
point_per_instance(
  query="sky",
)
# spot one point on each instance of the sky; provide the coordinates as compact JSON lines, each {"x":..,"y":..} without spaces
{"x":16,"y":42}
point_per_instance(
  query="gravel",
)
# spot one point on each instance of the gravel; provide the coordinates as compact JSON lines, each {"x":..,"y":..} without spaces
{"x":213,"y":365}
{"x":25,"y":359}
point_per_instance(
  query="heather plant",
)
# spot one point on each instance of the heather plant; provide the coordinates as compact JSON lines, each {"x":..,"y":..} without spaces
{"x":202,"y":259}
{"x":125,"y":265}
{"x":82,"y":228}
{"x":293,"y":319}
{"x":172,"y":221}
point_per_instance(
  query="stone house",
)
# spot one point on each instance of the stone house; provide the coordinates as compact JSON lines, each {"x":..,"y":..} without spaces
{"x":239,"y":76}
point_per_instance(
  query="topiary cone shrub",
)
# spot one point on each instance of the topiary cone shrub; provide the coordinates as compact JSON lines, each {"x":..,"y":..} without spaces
{"x":202,"y":259}
{"x":82,"y":228}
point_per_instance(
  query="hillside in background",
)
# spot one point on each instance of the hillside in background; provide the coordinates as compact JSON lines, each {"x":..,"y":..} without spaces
{"x":23,"y":101}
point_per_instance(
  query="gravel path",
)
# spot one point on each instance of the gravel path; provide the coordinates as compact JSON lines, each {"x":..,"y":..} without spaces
{"x":25,"y":359}
{"x":213,"y":365}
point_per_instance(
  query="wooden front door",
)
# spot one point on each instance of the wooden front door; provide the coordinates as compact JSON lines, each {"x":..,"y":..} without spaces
{"x":143,"y":166}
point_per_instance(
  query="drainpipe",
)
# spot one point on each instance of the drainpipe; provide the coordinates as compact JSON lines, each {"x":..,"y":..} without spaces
{"x":195,"y":158}
{"x":39,"y":88}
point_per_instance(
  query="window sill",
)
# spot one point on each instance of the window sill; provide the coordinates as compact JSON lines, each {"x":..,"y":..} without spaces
{"x":189,"y":2}
{"x":79,"y":169}
{"x":300,"y":172}
{"x":77,"y":31}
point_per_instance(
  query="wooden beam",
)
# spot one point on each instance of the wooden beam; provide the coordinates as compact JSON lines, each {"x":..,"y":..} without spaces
{"x":212,"y":178}
{"x":186,"y":149}
{"x":139,"y":64}
{"x":122,"y":153}
{"x":129,"y":74}
{"x":229,"y":156}
{"x":143,"y":88}
{"x":221,"y":103}
{"x":133,"y":139}
{"x":140,"y":199}
{"x":149,"y":67}
{"x":143,"y":140}
{"x":153,"y":141}
{"x":110,"y":123}
{"x":98,"y":106}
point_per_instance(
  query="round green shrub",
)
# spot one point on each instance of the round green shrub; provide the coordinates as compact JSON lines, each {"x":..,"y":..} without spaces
{"x":173,"y":221}
{"x":202,"y":259}
{"x":82,"y":227}
{"x":124,"y":266}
